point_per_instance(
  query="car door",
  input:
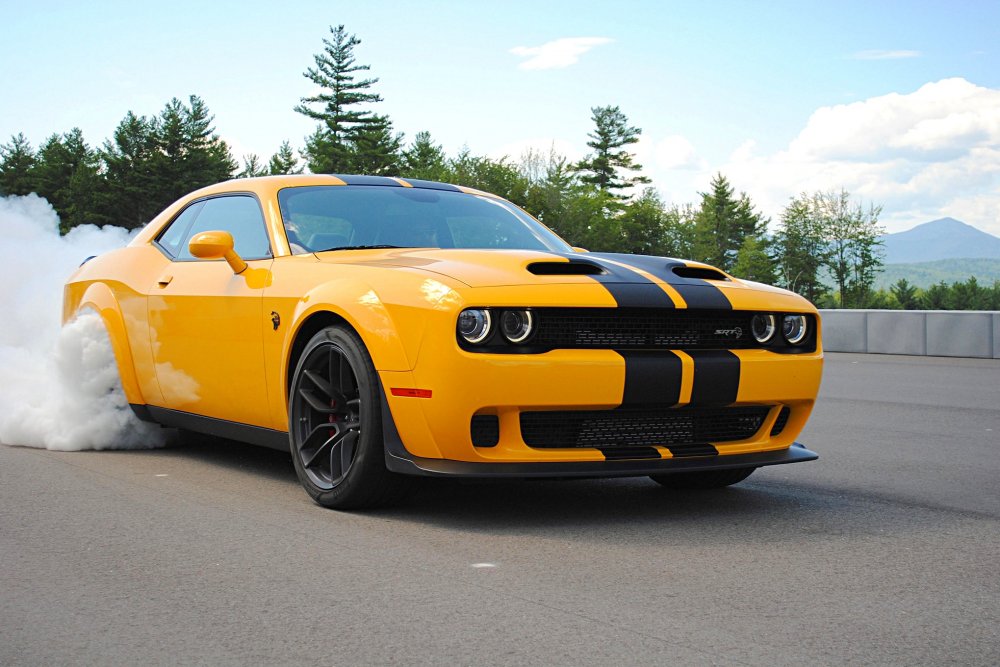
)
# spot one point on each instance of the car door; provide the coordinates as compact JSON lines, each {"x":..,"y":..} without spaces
{"x":206,"y":322}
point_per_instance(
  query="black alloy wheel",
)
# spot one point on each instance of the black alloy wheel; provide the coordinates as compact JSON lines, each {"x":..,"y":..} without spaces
{"x":335,"y":428}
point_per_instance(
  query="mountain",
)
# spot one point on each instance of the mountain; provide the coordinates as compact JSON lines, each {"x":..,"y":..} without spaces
{"x":925,"y":274}
{"x":946,"y":238}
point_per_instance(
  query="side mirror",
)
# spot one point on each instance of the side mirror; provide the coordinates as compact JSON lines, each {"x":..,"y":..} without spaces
{"x":216,"y":245}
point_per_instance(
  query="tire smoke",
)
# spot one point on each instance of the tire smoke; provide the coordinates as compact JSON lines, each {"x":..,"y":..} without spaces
{"x":59,"y":386}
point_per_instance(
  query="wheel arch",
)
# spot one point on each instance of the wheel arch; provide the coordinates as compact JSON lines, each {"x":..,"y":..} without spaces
{"x":99,"y":298}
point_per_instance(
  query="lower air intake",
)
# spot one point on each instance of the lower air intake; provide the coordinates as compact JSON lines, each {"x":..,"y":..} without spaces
{"x":640,"y":427}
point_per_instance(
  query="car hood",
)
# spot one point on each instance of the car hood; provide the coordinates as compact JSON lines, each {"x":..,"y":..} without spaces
{"x":498,"y":268}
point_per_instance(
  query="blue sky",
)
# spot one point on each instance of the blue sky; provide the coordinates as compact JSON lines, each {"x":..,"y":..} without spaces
{"x":898,"y":102}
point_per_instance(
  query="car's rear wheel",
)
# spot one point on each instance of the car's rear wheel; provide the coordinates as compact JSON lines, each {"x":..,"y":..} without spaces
{"x":335,"y":424}
{"x":703,"y":479}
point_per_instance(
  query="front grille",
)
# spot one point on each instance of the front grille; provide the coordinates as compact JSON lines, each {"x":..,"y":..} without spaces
{"x":640,"y":427}
{"x":641,"y":328}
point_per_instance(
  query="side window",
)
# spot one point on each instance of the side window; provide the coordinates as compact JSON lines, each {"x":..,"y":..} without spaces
{"x":239,"y":215}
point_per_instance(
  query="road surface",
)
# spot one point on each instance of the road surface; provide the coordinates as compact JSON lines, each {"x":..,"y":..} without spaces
{"x":886,"y":550}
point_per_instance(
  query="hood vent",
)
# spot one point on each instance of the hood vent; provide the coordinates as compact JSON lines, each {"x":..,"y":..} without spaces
{"x":699,"y":273}
{"x":565,"y":269}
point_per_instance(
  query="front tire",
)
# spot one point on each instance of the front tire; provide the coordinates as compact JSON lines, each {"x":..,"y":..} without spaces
{"x":703,"y":479}
{"x":335,"y":424}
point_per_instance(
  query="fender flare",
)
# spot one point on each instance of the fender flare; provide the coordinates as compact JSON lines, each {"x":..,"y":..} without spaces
{"x":99,"y":298}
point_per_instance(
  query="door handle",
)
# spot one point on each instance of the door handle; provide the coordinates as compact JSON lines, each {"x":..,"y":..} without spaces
{"x":164,"y":281}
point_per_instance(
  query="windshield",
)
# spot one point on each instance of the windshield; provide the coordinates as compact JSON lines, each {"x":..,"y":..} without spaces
{"x":338,"y":217}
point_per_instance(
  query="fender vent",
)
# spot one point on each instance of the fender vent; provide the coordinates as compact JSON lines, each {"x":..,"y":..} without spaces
{"x":699,"y":273}
{"x":565,"y":269}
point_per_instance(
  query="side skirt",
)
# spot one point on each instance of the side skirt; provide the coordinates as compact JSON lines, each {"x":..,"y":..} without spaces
{"x":254,"y":435}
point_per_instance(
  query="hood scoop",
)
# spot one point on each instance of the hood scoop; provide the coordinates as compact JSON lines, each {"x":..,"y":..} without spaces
{"x":699,"y":273}
{"x":565,"y":269}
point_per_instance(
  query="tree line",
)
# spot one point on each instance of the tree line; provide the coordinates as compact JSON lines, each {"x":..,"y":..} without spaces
{"x":826,"y":246}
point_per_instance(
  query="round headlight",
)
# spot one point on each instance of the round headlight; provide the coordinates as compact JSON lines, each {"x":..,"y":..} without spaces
{"x":794,"y":328}
{"x":762,"y":326}
{"x":516,"y":325}
{"x":474,"y":325}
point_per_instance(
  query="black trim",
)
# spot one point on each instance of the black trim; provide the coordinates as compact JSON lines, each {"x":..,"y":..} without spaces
{"x":621,"y":453}
{"x":142,"y":412}
{"x":716,"y":377}
{"x":624,"y":468}
{"x":679,"y":451}
{"x":254,"y":435}
{"x":651,"y":378}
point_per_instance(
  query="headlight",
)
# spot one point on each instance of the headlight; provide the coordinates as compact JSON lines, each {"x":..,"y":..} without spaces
{"x":794,"y":328}
{"x":762,"y":327}
{"x":516,"y":325}
{"x":474,"y":324}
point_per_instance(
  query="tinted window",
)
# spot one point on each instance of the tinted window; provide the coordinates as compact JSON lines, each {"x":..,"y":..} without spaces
{"x":239,"y":215}
{"x":322,"y":217}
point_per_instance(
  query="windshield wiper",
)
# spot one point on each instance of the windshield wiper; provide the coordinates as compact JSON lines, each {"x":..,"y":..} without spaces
{"x":358,"y":247}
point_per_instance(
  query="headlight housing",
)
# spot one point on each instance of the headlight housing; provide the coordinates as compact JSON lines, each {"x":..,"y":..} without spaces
{"x":475,"y":325}
{"x":516,"y":325}
{"x":794,"y":328}
{"x":762,"y":327}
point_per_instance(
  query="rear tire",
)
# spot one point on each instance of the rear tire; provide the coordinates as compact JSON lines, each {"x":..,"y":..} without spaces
{"x":703,"y":479}
{"x":335,"y":425}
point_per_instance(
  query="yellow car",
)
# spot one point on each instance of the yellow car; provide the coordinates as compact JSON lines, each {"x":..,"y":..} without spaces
{"x":380,"y":328}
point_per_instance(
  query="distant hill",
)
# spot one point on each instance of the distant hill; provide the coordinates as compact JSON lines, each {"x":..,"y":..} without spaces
{"x":925,"y":274}
{"x":946,"y":238}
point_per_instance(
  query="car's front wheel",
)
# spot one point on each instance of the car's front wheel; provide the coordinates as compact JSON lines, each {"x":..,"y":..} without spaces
{"x":702,"y":479}
{"x":335,"y":424}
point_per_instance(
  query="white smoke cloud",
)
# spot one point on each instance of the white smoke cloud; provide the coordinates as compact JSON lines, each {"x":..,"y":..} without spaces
{"x":59,"y":387}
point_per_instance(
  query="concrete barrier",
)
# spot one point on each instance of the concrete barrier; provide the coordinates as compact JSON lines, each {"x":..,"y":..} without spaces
{"x":937,"y":333}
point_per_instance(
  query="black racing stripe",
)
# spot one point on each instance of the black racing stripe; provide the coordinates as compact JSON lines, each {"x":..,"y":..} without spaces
{"x":697,"y":293}
{"x":651,"y":378}
{"x":628,"y":288}
{"x":368,"y":180}
{"x":716,"y":377}
{"x":432,"y":185}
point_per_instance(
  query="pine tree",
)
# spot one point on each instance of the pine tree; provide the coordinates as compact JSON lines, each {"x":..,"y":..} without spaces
{"x":423,"y":159}
{"x":17,"y":161}
{"x":753,"y":262}
{"x":252,"y":167}
{"x":722,"y":224}
{"x":127,"y":198}
{"x":375,"y":149}
{"x":906,"y":294}
{"x":284,"y":161}
{"x":335,"y":106}
{"x":611,"y":136}
{"x":66,"y":174}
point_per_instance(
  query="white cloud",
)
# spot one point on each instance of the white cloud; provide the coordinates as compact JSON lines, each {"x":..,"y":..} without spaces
{"x":880,"y":54}
{"x":930,"y":153}
{"x":557,"y":54}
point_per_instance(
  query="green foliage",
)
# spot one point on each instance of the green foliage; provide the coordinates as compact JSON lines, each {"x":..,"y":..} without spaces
{"x":252,"y":166}
{"x":284,"y":161}
{"x":66,"y":174}
{"x":753,"y":262}
{"x":905,"y":294}
{"x":375,"y":149}
{"x":800,"y":249}
{"x":854,"y":247}
{"x":131,"y":164}
{"x":497,"y":176}
{"x":610,"y":140}
{"x":424,"y":159}
{"x":335,"y":106}
{"x":722,"y":224}
{"x":17,"y":160}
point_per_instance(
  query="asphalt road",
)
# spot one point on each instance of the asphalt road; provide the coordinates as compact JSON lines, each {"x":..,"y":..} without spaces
{"x":885,"y":551}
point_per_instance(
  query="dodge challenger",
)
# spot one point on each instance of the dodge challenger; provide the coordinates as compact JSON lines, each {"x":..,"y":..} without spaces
{"x":383,"y":328}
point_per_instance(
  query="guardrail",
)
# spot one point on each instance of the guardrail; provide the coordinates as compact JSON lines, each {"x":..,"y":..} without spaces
{"x":934,"y":333}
